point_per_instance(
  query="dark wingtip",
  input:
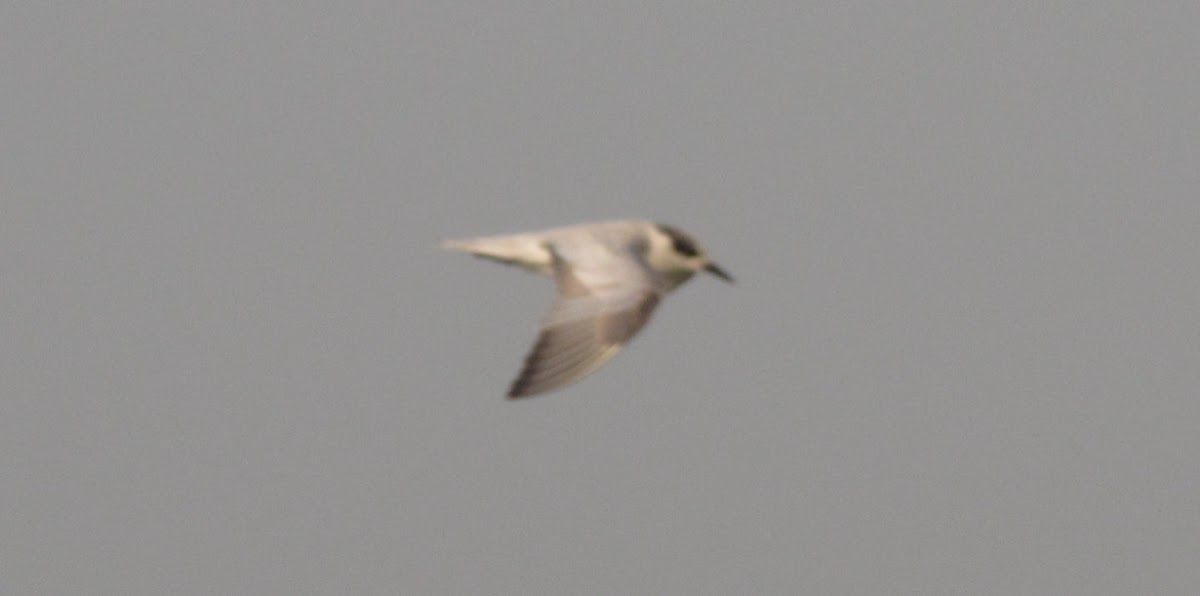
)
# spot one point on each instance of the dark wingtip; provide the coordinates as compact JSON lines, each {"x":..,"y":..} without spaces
{"x":520,"y":390}
{"x":521,"y":385}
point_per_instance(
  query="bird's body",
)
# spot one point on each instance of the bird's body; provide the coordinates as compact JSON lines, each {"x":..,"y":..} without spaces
{"x":610,"y":276}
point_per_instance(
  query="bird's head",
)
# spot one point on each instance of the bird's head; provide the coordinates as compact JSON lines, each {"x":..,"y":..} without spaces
{"x":677,"y":255}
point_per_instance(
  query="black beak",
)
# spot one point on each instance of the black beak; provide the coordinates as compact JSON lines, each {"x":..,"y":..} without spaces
{"x":712,"y":268}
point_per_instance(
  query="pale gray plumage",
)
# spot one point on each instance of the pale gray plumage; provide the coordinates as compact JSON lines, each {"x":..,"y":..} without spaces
{"x":609,"y":276}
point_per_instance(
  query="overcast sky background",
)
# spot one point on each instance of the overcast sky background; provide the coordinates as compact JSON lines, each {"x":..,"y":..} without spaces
{"x":963,"y":355}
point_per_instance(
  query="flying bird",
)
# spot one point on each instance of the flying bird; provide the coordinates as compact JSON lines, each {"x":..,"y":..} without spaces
{"x":610,"y":276}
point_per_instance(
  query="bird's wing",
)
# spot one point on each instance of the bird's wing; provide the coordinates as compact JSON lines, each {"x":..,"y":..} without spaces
{"x":604,"y":298}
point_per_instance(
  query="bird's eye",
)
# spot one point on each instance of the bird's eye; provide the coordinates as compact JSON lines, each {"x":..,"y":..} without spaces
{"x":684,"y":246}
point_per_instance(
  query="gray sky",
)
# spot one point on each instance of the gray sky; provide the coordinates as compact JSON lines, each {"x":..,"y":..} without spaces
{"x":961,"y":357}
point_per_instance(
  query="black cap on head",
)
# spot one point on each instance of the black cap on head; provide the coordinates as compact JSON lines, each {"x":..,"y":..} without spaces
{"x":682,"y":243}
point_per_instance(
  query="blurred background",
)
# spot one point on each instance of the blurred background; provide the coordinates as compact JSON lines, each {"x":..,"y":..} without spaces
{"x":961,"y":357}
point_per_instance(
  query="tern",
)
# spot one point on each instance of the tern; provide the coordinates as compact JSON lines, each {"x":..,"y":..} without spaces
{"x":609,"y":275}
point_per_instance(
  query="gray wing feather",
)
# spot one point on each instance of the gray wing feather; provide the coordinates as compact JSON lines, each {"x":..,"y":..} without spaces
{"x":568,"y":351}
{"x":588,"y":323}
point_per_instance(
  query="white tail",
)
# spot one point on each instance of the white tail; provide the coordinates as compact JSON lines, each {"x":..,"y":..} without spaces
{"x":523,"y":250}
